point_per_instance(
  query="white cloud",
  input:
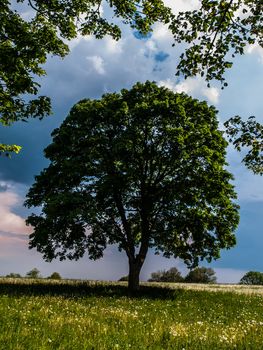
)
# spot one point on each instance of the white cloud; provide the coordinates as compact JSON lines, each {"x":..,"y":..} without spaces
{"x":195,"y":87}
{"x":161,"y":32}
{"x":76,"y":41}
{"x":10,"y":222}
{"x":212,"y":94}
{"x":113,"y":46}
{"x":183,"y":5}
{"x":255,"y":49}
{"x":97,"y":63}
{"x":168,"y":83}
{"x":151,"y":45}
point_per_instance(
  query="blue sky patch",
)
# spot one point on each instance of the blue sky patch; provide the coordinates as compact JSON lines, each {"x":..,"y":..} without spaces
{"x":141,"y":36}
{"x":161,"y":56}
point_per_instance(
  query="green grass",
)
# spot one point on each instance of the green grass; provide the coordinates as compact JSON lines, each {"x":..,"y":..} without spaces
{"x":71,"y":315}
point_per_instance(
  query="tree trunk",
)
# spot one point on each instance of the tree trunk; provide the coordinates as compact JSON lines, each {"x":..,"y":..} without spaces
{"x":134,"y":275}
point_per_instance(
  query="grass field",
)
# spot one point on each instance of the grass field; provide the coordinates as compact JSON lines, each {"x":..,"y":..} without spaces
{"x":41,"y":314}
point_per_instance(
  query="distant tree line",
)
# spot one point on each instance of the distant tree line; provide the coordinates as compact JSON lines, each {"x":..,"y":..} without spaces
{"x":197,"y":275}
{"x":34,"y":273}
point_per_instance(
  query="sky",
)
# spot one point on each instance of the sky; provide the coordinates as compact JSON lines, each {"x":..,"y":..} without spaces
{"x":95,"y":67}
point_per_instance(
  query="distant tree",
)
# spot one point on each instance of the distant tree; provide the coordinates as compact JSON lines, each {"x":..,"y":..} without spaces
{"x":13,"y":275}
{"x":143,"y":168}
{"x":171,"y":275}
{"x":252,"y":277}
{"x":156,"y":276}
{"x":34,"y":273}
{"x":201,"y":275}
{"x":124,"y":278}
{"x":55,"y":276}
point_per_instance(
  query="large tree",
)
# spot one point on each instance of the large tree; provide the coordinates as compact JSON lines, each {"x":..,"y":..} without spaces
{"x":142,"y":169}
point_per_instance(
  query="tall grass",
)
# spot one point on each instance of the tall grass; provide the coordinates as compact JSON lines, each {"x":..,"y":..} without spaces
{"x":76,"y":315}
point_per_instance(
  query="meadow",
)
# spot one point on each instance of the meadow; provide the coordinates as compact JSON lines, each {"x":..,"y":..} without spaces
{"x":78,"y":315}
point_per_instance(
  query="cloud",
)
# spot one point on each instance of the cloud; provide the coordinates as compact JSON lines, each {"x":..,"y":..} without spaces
{"x":151,"y":46}
{"x":113,"y":46}
{"x":75,"y":42}
{"x":161,"y":32}
{"x":195,"y":87}
{"x":182,"y":5}
{"x":212,"y":94}
{"x":257,"y":50}
{"x":97,"y":63}
{"x":10,"y":222}
{"x":4,"y":186}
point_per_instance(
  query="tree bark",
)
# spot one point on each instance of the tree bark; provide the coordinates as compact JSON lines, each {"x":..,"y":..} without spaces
{"x":135,"y":266}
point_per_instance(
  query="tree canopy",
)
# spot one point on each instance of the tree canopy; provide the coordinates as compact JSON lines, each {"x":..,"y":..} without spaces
{"x":34,"y":273}
{"x":143,"y":168}
{"x":252,"y":277}
{"x":201,"y":275}
{"x":55,"y":276}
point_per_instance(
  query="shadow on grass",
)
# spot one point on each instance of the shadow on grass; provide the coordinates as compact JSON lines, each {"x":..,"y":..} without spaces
{"x":79,"y":289}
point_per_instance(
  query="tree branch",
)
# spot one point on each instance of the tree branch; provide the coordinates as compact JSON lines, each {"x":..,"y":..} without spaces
{"x":218,"y":28}
{"x":130,"y":242}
